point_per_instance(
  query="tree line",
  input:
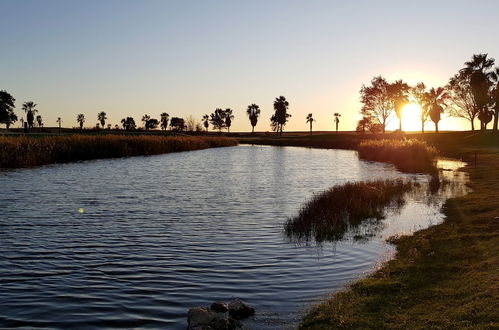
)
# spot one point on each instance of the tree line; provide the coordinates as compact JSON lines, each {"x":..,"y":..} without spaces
{"x":472,"y":93}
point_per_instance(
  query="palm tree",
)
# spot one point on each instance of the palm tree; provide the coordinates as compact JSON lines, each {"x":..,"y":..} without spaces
{"x":420,"y":97}
{"x":398,"y":95}
{"x":337,"y":120}
{"x":206,"y":122}
{"x":436,"y":99}
{"x":59,"y":122}
{"x":495,"y":98}
{"x":281,"y":113}
{"x":253,"y":112}
{"x":80,"y":119}
{"x":164,"y":117}
{"x":30,"y":110}
{"x":145,"y":119}
{"x":310,"y":120}
{"x":39,"y":121}
{"x":228,"y":118}
{"x":478,"y":70}
{"x":101,"y":117}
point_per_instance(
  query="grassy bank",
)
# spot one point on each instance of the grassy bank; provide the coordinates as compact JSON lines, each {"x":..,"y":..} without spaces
{"x":25,"y":151}
{"x":445,"y":276}
{"x":408,"y":155}
{"x":329,"y":215}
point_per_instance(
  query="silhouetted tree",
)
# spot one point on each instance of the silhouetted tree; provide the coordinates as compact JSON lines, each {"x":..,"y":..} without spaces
{"x":177,"y":124}
{"x":461,"y":101}
{"x":494,"y":94}
{"x":363,"y":124}
{"x":420,"y":97}
{"x":145,"y":119}
{"x":437,"y":98}
{"x":310,"y":119}
{"x":217,"y":119}
{"x":39,"y":121}
{"x":376,"y":100}
{"x":485,"y":116}
{"x":7,"y":105}
{"x":59,"y":122}
{"x":253,"y":112}
{"x":128,"y":123}
{"x":164,"y":120}
{"x":481,"y":76}
{"x":274,"y":124}
{"x":281,"y":114}
{"x":337,"y":120}
{"x":206,"y":122}
{"x":398,"y":93}
{"x":80,"y":119}
{"x":228,"y":118}
{"x":151,"y":124}
{"x":101,"y":117}
{"x":30,"y":110}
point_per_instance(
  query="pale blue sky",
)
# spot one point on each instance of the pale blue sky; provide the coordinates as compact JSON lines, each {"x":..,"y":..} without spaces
{"x":189,"y":57}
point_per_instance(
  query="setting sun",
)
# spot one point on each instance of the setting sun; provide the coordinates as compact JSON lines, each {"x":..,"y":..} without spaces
{"x":411,"y":117}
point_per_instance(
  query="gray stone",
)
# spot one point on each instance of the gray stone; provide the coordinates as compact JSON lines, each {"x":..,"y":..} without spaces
{"x":219,"y":306}
{"x":240,"y":310}
{"x":199,"y":317}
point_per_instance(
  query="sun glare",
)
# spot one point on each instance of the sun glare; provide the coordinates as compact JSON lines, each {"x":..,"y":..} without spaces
{"x":411,"y":117}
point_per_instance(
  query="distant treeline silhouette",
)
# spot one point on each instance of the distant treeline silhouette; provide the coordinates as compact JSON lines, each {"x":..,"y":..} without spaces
{"x":472,"y":93}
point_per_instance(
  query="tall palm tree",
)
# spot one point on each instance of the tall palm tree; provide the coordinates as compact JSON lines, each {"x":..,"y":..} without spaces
{"x":59,"y":122}
{"x":310,"y":119}
{"x":253,"y":112}
{"x":101,"y":117}
{"x":39,"y":121}
{"x":281,"y":112}
{"x":398,"y":92}
{"x":337,"y":116}
{"x":228,"y":118}
{"x":80,"y":119}
{"x":494,"y":93}
{"x":436,"y":99}
{"x":478,"y":69}
{"x":30,"y":110}
{"x":206,"y":122}
{"x":164,"y":117}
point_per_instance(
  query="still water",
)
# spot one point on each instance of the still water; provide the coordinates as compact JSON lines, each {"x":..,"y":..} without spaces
{"x":135,"y":242}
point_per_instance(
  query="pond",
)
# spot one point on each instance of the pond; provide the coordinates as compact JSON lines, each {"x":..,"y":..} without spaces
{"x":135,"y":242}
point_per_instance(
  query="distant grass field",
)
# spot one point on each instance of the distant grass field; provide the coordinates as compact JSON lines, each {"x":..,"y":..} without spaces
{"x":33,"y":150}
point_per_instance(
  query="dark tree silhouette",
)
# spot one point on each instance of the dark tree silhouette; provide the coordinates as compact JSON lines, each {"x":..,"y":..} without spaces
{"x":7,"y":105}
{"x":217,"y":119}
{"x":461,"y":101}
{"x":80,"y":119}
{"x":39,"y":121}
{"x":437,"y":98}
{"x":59,"y":122}
{"x":480,"y":77}
{"x":494,"y":93}
{"x":376,"y":100}
{"x":206,"y":122}
{"x":253,"y":112}
{"x":363,"y":124}
{"x":101,"y":117}
{"x":398,"y":93}
{"x":151,"y":124}
{"x":310,"y":119}
{"x":128,"y":123}
{"x":164,"y":117}
{"x":30,"y":110}
{"x":420,"y":97}
{"x":337,"y":116}
{"x":281,"y":114}
{"x":274,"y":125}
{"x":145,"y":119}
{"x":228,"y":118}
{"x":177,"y":124}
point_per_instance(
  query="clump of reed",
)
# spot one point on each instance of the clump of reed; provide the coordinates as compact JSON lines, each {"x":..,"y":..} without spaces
{"x":329,"y":215}
{"x":408,"y":155}
{"x":26,"y":151}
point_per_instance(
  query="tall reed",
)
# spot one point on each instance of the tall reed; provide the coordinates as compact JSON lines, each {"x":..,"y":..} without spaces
{"x":408,"y":155}
{"x":25,"y":151}
{"x":329,"y":215}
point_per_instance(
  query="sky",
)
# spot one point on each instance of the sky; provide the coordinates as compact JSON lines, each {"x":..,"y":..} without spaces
{"x":130,"y":58}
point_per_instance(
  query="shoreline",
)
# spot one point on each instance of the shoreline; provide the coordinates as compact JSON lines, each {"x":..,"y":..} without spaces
{"x":433,"y":280}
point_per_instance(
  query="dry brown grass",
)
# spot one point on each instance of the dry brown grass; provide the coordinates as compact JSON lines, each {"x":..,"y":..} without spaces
{"x":26,"y":151}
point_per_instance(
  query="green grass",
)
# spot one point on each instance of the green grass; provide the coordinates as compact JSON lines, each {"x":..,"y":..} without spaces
{"x":329,"y":215}
{"x":26,"y":151}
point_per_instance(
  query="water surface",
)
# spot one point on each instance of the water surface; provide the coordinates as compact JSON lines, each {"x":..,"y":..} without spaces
{"x":160,"y":234}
